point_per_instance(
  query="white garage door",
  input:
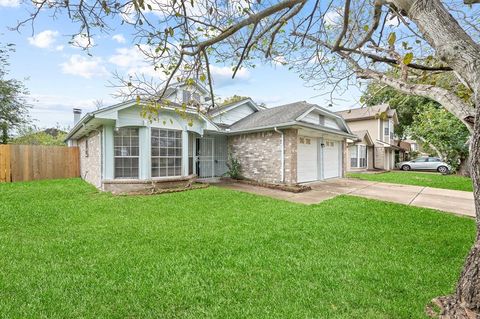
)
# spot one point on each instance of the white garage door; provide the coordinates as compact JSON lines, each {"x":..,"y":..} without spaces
{"x":331,"y":153}
{"x":307,"y":162}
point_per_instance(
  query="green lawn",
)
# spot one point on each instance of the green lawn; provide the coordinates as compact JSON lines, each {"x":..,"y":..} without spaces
{"x":67,"y":251}
{"x":420,"y":179}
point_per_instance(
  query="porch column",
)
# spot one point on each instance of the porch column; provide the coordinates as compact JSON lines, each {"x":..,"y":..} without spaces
{"x":185,"y":146}
{"x":108,"y":156}
{"x":145,"y":153}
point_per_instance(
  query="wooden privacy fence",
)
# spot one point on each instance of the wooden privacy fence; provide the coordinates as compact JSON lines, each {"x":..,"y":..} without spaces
{"x":34,"y":162}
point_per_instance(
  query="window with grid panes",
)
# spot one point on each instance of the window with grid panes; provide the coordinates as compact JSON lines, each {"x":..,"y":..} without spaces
{"x":126,"y":152}
{"x":166,"y":152}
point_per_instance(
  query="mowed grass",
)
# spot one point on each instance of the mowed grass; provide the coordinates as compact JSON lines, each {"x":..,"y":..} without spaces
{"x":436,"y":180}
{"x":68,"y":251}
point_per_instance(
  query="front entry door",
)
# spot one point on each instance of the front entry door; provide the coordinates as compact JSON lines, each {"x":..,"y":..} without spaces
{"x":204,"y":155}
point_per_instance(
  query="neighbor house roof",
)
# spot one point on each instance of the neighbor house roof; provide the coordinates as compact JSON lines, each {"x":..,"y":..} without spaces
{"x":405,"y":146}
{"x":367,"y":112}
{"x":363,"y":134}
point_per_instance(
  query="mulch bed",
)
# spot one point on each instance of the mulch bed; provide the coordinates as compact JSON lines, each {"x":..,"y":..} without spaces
{"x":158,"y":191}
{"x":293,"y":188}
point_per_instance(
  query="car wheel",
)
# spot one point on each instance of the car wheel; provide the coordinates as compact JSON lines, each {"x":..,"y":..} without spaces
{"x":406,"y":167}
{"x":442,"y":169}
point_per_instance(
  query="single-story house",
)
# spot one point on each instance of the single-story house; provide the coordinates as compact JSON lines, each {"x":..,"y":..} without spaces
{"x":374,"y":146}
{"x":122,"y":150}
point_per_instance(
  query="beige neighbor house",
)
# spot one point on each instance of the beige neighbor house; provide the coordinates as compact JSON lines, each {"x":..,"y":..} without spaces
{"x":121,"y":150}
{"x":374,"y":147}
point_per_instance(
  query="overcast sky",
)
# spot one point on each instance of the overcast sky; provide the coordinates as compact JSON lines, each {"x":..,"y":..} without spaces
{"x":61,"y":76}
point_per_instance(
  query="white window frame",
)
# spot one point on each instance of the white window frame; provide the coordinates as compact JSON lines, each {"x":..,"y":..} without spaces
{"x":170,"y":153}
{"x":357,"y":157}
{"x":127,"y":151}
{"x":186,"y":96}
{"x":386,"y":130}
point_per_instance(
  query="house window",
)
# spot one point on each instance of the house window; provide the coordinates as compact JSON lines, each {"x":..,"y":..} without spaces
{"x":358,"y":156}
{"x":196,"y":97}
{"x":187,"y":96}
{"x":362,"y":156}
{"x":126,"y":151}
{"x":86,"y":147}
{"x":166,"y":153}
{"x":321,"y":120}
{"x":353,"y":156}
{"x":386,"y":130}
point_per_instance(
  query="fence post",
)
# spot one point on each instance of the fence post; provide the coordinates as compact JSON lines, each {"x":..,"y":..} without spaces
{"x":5,"y":163}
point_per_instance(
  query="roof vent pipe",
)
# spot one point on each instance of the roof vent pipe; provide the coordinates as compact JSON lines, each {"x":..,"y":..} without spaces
{"x":77,"y":115}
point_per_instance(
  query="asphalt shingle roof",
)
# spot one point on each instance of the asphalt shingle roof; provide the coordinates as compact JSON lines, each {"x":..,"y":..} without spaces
{"x":273,"y":116}
{"x":224,"y":106}
{"x":365,"y":112}
{"x":360,"y":134}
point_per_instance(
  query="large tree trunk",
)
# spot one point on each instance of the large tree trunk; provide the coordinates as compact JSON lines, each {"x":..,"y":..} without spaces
{"x":464,"y":167}
{"x":3,"y":133}
{"x":465,"y":303}
{"x":454,"y":46}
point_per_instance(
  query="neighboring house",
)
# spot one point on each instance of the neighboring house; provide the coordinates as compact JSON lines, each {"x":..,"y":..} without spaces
{"x":121,"y":151}
{"x":374,"y":147}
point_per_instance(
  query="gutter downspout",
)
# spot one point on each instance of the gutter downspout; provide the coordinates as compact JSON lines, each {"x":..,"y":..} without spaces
{"x":282,"y":157}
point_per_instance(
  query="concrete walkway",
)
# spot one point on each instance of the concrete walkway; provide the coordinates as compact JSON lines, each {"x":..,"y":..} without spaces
{"x":457,"y":202}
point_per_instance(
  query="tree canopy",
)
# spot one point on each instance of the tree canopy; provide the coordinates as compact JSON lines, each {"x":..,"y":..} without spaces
{"x":425,"y":120}
{"x":13,"y":105}
{"x":32,"y":135}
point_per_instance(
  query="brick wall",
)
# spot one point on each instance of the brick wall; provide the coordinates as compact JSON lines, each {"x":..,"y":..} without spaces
{"x":91,"y":161}
{"x":291,"y":143}
{"x":259,"y":155}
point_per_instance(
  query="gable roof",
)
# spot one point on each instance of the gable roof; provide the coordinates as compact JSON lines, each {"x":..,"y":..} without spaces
{"x":272,"y":116}
{"x":369,"y":112}
{"x":230,"y":106}
{"x":129,"y":103}
{"x":363,"y":135}
{"x":287,"y":115}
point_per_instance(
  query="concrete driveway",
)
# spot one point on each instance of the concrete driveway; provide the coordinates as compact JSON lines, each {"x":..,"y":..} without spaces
{"x":457,"y":202}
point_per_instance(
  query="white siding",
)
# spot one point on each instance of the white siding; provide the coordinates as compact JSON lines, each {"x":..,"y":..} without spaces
{"x":331,"y":123}
{"x":233,"y":115}
{"x":177,"y":96}
{"x":312,"y":118}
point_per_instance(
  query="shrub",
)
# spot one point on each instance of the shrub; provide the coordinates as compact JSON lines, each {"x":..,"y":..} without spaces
{"x":234,"y":168}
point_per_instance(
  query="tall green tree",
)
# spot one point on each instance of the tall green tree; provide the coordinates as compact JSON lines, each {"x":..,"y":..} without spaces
{"x":13,"y":104}
{"x":424,"y":119}
{"x":31,"y":135}
{"x":407,"y":106}
{"x":443,"y":133}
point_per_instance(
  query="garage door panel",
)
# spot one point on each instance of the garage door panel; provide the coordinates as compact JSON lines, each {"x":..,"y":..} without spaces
{"x":331,"y":153}
{"x":307,"y":159}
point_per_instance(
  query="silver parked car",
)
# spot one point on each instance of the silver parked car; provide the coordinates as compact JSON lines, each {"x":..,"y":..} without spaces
{"x":425,"y":163}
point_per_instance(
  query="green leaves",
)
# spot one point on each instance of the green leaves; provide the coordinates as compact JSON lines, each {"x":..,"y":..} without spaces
{"x":392,"y":38}
{"x":408,"y":58}
{"x":105,"y":7}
